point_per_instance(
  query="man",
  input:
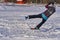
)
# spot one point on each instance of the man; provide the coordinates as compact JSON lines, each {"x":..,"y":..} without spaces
{"x":44,"y":15}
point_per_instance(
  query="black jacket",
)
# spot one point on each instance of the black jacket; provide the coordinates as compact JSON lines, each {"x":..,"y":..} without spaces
{"x":50,"y":10}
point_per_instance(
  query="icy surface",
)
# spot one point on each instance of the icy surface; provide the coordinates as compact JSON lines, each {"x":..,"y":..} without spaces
{"x":13,"y":25}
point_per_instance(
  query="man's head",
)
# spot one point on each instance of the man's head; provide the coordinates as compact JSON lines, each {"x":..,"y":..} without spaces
{"x":51,"y":3}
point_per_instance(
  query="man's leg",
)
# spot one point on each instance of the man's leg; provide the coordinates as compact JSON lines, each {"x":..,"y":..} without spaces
{"x":34,"y":16}
{"x":40,"y":24}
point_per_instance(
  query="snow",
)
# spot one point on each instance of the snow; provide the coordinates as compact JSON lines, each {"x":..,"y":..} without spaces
{"x":13,"y":25}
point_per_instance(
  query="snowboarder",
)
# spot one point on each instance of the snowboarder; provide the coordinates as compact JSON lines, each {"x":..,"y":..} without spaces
{"x":44,"y":15}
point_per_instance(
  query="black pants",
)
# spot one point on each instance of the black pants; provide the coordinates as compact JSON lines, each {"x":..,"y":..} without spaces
{"x":38,"y":16}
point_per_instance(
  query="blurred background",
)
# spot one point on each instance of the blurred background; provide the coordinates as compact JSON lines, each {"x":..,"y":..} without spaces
{"x":29,"y":1}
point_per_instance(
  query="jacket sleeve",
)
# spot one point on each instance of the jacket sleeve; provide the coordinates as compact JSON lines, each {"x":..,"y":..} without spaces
{"x":47,"y":6}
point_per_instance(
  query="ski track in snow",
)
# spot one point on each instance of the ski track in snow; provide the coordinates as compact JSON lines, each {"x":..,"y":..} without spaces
{"x":13,"y":25}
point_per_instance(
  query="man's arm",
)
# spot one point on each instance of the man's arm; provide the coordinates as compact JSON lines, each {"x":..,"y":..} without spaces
{"x":49,"y":4}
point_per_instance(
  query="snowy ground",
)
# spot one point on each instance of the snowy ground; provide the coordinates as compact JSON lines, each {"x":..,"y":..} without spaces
{"x":14,"y":27}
